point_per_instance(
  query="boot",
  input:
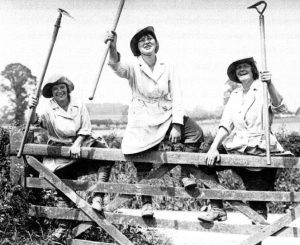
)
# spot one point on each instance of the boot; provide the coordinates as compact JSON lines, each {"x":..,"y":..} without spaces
{"x":60,"y":233}
{"x":103,"y":174}
{"x":147,"y":209}
{"x":215,"y":214}
{"x":97,"y":203}
{"x":188,"y":183}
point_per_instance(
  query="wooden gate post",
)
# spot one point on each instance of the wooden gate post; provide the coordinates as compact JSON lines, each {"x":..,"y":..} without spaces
{"x":17,"y":165}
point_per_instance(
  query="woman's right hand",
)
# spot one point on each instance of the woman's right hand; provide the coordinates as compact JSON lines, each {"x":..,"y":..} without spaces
{"x":111,"y":36}
{"x":212,"y":156}
{"x":32,"y":102}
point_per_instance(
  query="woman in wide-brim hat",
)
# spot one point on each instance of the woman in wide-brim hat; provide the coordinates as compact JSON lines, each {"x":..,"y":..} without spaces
{"x":54,"y":80}
{"x":156,"y":110}
{"x":241,"y":129}
{"x":67,"y":122}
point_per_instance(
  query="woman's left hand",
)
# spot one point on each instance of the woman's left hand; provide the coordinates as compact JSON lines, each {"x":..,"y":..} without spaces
{"x":266,"y":76}
{"x":75,"y":151}
{"x":175,"y":134}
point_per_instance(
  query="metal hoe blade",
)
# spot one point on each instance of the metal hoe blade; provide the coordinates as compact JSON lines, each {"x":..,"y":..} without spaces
{"x":64,"y":12}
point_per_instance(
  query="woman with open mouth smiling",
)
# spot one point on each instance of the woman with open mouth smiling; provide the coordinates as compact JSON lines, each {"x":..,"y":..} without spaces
{"x":67,"y":122}
{"x":155,"y":112}
{"x":241,"y":132}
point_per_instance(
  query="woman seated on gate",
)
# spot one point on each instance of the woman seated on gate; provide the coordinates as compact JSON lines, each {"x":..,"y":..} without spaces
{"x":67,"y":122}
{"x":241,"y":131}
{"x":156,"y":110}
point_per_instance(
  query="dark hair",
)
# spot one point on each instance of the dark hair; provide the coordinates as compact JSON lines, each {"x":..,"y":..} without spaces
{"x":143,"y":35}
{"x":254,"y":72}
{"x":61,"y":81}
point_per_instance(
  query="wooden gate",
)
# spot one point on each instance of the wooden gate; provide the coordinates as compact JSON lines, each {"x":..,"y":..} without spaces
{"x":168,"y":160}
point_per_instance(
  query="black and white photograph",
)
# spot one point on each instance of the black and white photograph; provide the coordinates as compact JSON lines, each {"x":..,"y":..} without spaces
{"x":149,"y":122}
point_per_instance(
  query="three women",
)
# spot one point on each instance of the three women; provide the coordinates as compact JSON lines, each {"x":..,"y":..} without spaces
{"x":156,"y":112}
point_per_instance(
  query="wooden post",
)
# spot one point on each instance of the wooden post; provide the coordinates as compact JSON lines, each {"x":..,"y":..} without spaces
{"x":17,"y":165}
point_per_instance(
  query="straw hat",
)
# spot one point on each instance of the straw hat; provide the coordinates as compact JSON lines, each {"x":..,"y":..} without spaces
{"x":231,"y":71}
{"x":54,"y":80}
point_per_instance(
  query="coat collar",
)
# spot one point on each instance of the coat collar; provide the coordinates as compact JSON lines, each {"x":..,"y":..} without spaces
{"x":256,"y":85}
{"x":73,"y":106}
{"x":158,"y":69}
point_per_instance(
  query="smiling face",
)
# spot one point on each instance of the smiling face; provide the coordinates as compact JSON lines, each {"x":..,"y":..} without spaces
{"x":60,"y":93}
{"x":244,"y":72}
{"x":147,"y":44}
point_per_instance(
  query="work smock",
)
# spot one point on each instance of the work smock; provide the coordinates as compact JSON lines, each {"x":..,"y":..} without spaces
{"x":243,"y":119}
{"x":156,"y":102}
{"x":63,"y":127}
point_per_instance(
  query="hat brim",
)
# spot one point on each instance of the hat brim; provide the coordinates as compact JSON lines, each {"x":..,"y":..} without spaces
{"x":231,"y":71}
{"x":135,"y":39}
{"x":47,"y":89}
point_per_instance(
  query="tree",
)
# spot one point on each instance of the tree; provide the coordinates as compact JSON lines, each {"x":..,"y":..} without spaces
{"x":229,"y":87}
{"x":18,"y":85}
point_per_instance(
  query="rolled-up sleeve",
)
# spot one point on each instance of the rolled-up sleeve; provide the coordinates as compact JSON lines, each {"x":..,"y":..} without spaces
{"x":177,"y":102}
{"x":280,"y":108}
{"x":226,"y":120}
{"x":86,"y":126}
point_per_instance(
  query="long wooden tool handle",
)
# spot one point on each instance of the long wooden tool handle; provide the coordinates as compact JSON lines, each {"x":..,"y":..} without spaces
{"x":38,"y":90}
{"x":265,"y":88}
{"x":104,"y":55}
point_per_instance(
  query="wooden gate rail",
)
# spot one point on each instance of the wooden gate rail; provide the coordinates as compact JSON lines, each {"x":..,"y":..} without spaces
{"x":167,"y":161}
{"x":138,"y":189}
{"x":170,"y":223}
{"x":181,"y":158}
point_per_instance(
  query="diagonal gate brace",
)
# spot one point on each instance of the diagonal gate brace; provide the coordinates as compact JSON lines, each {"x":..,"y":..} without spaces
{"x":273,"y":228}
{"x":80,"y":203}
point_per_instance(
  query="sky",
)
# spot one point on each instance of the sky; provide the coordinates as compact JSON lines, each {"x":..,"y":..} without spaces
{"x":201,"y":37}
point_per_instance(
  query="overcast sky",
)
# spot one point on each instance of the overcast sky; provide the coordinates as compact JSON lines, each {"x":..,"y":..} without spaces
{"x":202,"y":37}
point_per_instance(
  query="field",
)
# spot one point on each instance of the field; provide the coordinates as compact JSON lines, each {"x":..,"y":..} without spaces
{"x":286,"y":125}
{"x":280,"y":125}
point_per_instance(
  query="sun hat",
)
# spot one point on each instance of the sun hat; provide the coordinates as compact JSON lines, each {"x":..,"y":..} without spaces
{"x":231,"y":71}
{"x":135,"y":39}
{"x":54,"y":80}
